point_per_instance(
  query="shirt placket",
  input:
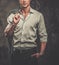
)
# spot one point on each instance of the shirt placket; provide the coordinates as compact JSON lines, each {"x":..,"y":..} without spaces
{"x":22,"y":30}
{"x":24,"y":23}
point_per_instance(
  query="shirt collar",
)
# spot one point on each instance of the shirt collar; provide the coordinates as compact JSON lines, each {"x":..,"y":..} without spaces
{"x":31,"y":10}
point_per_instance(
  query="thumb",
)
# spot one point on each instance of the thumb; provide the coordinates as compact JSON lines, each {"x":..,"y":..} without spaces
{"x":33,"y":55}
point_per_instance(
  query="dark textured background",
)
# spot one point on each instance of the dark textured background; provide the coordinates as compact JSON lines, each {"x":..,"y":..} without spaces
{"x":50,"y":10}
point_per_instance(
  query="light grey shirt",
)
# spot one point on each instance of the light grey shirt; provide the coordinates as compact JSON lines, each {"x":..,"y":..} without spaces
{"x":26,"y":31}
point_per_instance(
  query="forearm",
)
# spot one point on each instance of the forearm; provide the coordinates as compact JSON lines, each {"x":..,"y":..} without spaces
{"x":9,"y":29}
{"x":42,"y":48}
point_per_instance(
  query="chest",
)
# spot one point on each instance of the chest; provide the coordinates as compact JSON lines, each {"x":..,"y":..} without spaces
{"x":30,"y":21}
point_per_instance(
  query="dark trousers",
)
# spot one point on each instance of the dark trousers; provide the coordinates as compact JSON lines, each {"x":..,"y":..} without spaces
{"x":24,"y":57}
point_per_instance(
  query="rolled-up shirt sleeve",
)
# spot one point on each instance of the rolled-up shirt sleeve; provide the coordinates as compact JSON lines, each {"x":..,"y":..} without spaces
{"x":42,"y":29}
{"x":9,"y":21}
{"x":10,"y":18}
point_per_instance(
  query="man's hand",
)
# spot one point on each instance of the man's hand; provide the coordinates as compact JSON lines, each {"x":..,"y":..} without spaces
{"x":37,"y":55}
{"x":10,"y":28}
{"x":42,"y":50}
{"x":16,"y":18}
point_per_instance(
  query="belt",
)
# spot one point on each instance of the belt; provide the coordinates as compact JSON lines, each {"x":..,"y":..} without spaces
{"x":30,"y":50}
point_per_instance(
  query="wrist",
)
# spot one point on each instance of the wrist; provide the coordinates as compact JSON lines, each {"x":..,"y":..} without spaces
{"x":41,"y":53}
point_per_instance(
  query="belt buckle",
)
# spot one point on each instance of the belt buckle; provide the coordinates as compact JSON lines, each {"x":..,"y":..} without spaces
{"x":20,"y":51}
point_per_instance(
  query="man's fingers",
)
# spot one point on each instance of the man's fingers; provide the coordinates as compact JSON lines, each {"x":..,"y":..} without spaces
{"x":33,"y":55}
{"x":17,"y":17}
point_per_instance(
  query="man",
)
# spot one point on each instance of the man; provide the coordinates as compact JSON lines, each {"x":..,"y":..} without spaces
{"x":25,"y":24}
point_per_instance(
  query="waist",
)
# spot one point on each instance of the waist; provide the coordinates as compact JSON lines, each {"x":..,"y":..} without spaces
{"x":25,"y":45}
{"x":22,"y":50}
